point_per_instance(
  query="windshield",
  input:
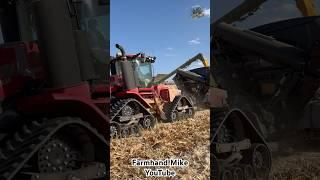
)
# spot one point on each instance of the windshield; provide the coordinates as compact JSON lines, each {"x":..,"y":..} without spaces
{"x":94,"y":19}
{"x":144,"y":71}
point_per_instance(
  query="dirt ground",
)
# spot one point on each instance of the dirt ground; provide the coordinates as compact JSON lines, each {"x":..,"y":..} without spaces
{"x":189,"y":140}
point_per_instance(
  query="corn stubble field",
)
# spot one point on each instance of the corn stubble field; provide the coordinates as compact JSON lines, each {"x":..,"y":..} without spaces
{"x":189,"y":140}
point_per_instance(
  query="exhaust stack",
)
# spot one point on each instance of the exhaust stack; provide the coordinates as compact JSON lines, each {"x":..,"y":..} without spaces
{"x":57,"y":42}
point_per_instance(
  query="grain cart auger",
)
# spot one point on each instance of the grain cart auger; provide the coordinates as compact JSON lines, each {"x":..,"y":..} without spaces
{"x":136,"y":102}
{"x":193,"y":83}
{"x":53,"y":124}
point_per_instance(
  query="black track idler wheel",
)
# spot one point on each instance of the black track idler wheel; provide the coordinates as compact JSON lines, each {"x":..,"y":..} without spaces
{"x":172,"y":112}
{"x":190,"y":113}
{"x":148,"y":122}
{"x":49,"y":146}
{"x":226,"y":175}
{"x":57,"y":156}
{"x":261,"y":161}
{"x":238,"y":174}
{"x":114,"y":130}
{"x":174,"y":116}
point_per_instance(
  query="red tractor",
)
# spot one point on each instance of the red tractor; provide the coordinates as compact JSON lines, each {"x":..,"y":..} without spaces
{"x":54,"y":123}
{"x":137,"y":101}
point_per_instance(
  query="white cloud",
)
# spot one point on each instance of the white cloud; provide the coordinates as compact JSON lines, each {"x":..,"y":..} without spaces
{"x":169,"y":48}
{"x":206,"y":12}
{"x":194,"y":41}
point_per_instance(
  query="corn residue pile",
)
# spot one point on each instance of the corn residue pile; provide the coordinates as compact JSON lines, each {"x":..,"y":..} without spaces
{"x":186,"y":139}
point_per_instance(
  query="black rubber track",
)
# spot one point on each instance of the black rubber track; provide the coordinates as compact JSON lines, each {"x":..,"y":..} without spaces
{"x":119,"y":104}
{"x":170,"y":107}
{"x":116,"y":108}
{"x":17,"y":151}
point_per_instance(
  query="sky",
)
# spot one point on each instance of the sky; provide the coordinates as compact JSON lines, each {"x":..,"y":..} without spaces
{"x":161,"y":28}
{"x":270,"y":11}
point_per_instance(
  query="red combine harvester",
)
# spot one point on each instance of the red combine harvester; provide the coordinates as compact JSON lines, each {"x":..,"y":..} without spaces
{"x":137,"y":101}
{"x":54,"y":123}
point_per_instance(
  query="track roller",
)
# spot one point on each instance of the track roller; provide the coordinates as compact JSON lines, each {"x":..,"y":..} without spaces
{"x":180,"y":108}
{"x":148,"y":122}
{"x":238,"y":174}
{"x":261,"y":160}
{"x":114,"y":130}
{"x":174,"y":116}
{"x":125,"y":132}
{"x":53,"y":149}
{"x":226,"y":175}
{"x":135,"y":130}
{"x":190,"y":113}
{"x":51,"y":160}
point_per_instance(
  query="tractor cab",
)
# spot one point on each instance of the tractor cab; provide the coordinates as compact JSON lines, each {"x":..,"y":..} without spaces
{"x":143,"y":67}
{"x":132,"y":71}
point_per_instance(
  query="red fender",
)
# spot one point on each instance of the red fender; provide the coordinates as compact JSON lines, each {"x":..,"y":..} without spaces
{"x":72,"y":101}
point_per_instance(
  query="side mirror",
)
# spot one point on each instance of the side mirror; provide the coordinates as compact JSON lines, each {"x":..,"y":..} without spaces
{"x":150,"y":59}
